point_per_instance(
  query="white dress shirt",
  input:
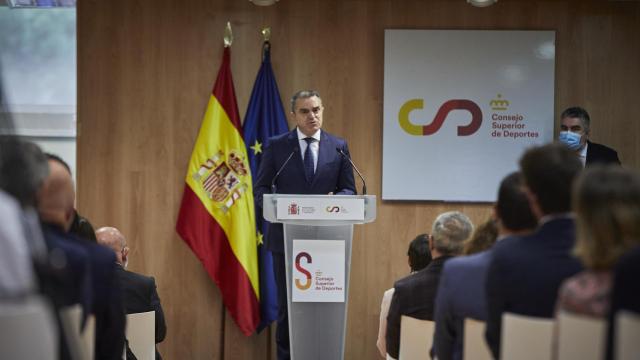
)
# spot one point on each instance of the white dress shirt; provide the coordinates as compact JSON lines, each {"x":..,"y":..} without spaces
{"x":583,"y":154}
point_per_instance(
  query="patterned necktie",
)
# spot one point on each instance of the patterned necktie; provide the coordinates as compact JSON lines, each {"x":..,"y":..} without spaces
{"x":308,"y":160}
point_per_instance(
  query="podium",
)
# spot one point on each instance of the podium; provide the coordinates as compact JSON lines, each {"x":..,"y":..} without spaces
{"x":318,"y":230}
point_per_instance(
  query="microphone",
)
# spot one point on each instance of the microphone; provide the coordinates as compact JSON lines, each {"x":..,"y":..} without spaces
{"x":364,"y":184}
{"x":273,"y":182}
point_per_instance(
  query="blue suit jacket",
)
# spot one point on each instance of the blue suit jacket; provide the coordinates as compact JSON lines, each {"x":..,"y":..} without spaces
{"x":461,"y":294}
{"x":526,"y":272}
{"x":333,"y":174}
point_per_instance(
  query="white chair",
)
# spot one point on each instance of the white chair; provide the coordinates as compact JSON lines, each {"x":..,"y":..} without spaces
{"x":141,"y":333}
{"x":474,"y":346}
{"x":627,"y":341}
{"x":416,"y":338}
{"x":580,"y":337}
{"x":526,"y":338}
{"x":28,"y":330}
{"x":81,"y":341}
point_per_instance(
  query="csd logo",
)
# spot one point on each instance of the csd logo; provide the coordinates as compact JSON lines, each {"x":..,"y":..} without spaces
{"x":307,"y":284}
{"x":445,"y":109}
{"x":333,"y":209}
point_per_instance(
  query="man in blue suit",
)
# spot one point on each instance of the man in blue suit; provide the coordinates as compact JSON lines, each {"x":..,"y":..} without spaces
{"x":526,"y":272}
{"x":461,"y":292}
{"x":55,"y":207}
{"x":310,"y":163}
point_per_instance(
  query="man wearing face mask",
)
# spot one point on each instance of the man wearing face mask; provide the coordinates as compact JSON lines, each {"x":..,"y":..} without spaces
{"x":139,"y":292}
{"x":575,"y":125}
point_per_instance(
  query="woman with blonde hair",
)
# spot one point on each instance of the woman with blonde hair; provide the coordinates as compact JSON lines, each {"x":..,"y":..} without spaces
{"x":606,"y":201}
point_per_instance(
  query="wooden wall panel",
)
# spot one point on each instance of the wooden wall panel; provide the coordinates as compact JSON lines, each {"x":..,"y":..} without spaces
{"x":145,"y":70}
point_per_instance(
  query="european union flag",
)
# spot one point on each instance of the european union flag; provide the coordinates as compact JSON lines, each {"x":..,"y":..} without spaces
{"x":265,"y":118}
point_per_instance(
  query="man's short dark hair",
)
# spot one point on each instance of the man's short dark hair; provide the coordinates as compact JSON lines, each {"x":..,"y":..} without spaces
{"x":580,"y":113}
{"x":303,"y":94}
{"x":512,"y":206}
{"x":419,"y":254}
{"x":59,"y":160}
{"x":23,"y":169}
{"x":548,"y":172}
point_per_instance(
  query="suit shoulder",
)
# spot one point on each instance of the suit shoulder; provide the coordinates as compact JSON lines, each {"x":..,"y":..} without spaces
{"x":409,"y":281}
{"x":334,"y":138}
{"x":279,"y":139}
{"x":602,"y":148}
{"x":466,"y":263}
{"x":138,"y":278}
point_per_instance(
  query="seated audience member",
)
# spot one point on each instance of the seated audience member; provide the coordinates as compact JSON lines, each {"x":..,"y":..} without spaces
{"x":419,"y":257}
{"x":625,"y":293}
{"x":484,"y":236}
{"x":461,"y":293}
{"x":414,"y":295}
{"x":525,"y":272}
{"x":139,"y":291}
{"x":607,"y":205}
{"x":55,"y":206}
{"x":575,"y":129}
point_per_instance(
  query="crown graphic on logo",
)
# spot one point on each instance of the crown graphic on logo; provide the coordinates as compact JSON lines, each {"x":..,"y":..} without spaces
{"x":499,"y":104}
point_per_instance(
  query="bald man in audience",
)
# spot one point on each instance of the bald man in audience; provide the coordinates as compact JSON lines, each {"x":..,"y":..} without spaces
{"x":56,"y":199}
{"x":139,"y":291}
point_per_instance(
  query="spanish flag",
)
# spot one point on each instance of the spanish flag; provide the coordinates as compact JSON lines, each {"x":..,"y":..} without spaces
{"x":216,"y":216}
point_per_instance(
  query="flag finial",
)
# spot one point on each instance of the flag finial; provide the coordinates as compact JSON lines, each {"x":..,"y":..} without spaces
{"x":266,"y":33}
{"x":228,"y":35}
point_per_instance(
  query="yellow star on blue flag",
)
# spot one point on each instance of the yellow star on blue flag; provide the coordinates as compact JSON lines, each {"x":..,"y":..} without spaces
{"x":257,"y":148}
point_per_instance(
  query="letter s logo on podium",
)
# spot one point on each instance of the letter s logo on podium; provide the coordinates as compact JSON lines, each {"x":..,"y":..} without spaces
{"x":304,"y":271}
{"x":441,"y":115}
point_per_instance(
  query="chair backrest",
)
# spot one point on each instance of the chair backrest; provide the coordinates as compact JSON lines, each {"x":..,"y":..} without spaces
{"x":580,"y":337}
{"x":474,"y":346}
{"x":28,"y":330}
{"x":526,"y":337}
{"x":627,"y":341}
{"x":81,"y":341}
{"x":416,"y":338}
{"x":141,"y":334}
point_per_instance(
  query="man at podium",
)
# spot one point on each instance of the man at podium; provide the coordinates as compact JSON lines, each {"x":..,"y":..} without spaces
{"x":305,"y":160}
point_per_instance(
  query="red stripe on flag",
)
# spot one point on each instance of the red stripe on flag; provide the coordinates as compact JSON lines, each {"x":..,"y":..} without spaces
{"x":208,"y":241}
{"x":224,"y":87}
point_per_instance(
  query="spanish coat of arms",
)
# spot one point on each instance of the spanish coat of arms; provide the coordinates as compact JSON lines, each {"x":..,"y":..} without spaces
{"x":223,"y":178}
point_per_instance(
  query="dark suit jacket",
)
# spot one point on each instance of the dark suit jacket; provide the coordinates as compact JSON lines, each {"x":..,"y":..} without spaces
{"x":70,"y":283}
{"x":526,"y":272}
{"x":107,"y":304}
{"x":600,"y":154}
{"x":140,"y":295}
{"x":461,"y":294}
{"x":105,"y":293}
{"x":333,"y":174}
{"x":414,"y":296}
